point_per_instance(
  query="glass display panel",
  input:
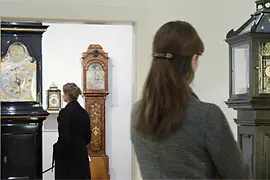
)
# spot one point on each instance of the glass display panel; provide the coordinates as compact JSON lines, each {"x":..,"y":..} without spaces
{"x":240,"y":69}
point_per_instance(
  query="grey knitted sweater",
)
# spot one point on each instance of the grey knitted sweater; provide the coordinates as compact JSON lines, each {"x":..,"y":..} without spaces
{"x":203,"y":148}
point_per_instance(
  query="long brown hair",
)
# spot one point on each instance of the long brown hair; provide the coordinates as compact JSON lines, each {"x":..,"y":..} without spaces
{"x":165,"y":95}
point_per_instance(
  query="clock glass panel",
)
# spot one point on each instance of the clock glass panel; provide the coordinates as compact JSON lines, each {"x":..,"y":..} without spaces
{"x":54,"y":100}
{"x":95,"y":77}
{"x":240,"y":69}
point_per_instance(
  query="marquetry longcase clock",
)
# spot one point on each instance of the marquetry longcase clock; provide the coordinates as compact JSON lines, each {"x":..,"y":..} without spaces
{"x":95,"y":90}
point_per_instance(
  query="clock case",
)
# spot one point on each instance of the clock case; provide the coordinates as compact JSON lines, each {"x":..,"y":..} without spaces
{"x":254,"y":34}
{"x":95,"y":105}
{"x":21,"y":122}
{"x":53,"y":90}
{"x":30,"y":34}
{"x":253,"y":107}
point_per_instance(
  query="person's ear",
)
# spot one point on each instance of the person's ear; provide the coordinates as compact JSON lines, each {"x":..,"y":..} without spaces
{"x":194,"y":62}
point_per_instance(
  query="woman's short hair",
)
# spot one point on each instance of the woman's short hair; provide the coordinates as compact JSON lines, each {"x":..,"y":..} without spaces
{"x":165,"y":95}
{"x":72,"y":91}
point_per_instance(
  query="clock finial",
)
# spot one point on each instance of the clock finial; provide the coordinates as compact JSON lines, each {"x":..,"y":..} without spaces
{"x":95,"y":53}
{"x":53,"y":85}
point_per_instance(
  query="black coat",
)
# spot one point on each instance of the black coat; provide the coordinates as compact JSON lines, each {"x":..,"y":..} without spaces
{"x":70,"y":151}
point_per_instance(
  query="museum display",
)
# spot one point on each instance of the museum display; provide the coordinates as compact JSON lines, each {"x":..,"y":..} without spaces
{"x":22,"y":114}
{"x":249,"y":90}
{"x":95,"y":90}
{"x":54,"y":98}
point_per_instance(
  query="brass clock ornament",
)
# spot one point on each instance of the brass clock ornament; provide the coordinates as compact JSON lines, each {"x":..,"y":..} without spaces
{"x":53,"y":98}
{"x":264,"y":68}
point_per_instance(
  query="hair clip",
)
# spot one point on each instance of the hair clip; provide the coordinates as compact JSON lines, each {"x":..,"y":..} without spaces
{"x":162,"y":55}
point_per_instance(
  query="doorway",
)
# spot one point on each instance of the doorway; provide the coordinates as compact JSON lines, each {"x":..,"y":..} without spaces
{"x":63,"y":45}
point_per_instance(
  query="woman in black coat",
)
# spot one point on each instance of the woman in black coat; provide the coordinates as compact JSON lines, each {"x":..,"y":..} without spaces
{"x":70,"y":151}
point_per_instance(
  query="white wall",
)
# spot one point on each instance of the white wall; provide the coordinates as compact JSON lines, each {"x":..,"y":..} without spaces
{"x":63,"y":45}
{"x":212,"y":19}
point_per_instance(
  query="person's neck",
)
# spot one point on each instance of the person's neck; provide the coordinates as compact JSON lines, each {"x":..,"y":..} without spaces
{"x":71,"y":101}
{"x":192,"y":93}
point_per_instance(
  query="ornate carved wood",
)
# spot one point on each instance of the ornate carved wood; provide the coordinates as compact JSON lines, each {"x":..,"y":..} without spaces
{"x":95,"y":102}
{"x":96,"y":107}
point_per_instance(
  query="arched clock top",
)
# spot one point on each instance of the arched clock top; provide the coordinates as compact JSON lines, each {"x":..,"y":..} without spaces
{"x":95,"y":70}
{"x":17,"y":52}
{"x":99,"y":63}
{"x":95,"y":51}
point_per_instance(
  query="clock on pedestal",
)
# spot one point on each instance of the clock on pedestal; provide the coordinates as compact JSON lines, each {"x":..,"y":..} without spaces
{"x":22,"y":113}
{"x":249,"y":51}
{"x":95,"y":90}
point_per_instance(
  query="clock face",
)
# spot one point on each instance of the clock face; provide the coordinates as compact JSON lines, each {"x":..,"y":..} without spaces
{"x":18,"y":82}
{"x":267,"y":71}
{"x":95,"y":77}
{"x":17,"y":51}
{"x":54,"y":101}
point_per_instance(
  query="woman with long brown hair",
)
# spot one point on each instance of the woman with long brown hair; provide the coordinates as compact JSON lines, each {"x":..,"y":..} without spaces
{"x":175,"y":135}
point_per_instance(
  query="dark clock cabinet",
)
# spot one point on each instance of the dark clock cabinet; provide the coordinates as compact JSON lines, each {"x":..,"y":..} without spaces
{"x":249,"y":87}
{"x":21,"y":122}
{"x":21,"y":150}
{"x":254,"y":140}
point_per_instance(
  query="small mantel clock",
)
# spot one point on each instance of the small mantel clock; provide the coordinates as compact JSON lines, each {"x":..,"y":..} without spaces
{"x":53,"y":98}
{"x":22,"y":113}
{"x":95,"y":90}
{"x":249,"y":92}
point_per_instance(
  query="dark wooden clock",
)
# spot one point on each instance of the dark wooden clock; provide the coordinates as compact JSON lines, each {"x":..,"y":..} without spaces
{"x":249,"y":90}
{"x":95,"y":90}
{"x":22,"y":113}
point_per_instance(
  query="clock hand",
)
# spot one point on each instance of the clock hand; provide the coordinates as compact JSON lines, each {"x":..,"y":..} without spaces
{"x":17,"y":80}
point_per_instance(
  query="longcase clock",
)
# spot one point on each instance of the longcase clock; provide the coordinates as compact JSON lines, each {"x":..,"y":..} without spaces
{"x":22,"y":113}
{"x":95,"y":90}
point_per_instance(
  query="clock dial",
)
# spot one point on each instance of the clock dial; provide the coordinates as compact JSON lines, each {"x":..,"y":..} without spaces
{"x":95,"y":77}
{"x":54,"y":100}
{"x":17,"y":52}
{"x":267,"y":71}
{"x":18,"y":82}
